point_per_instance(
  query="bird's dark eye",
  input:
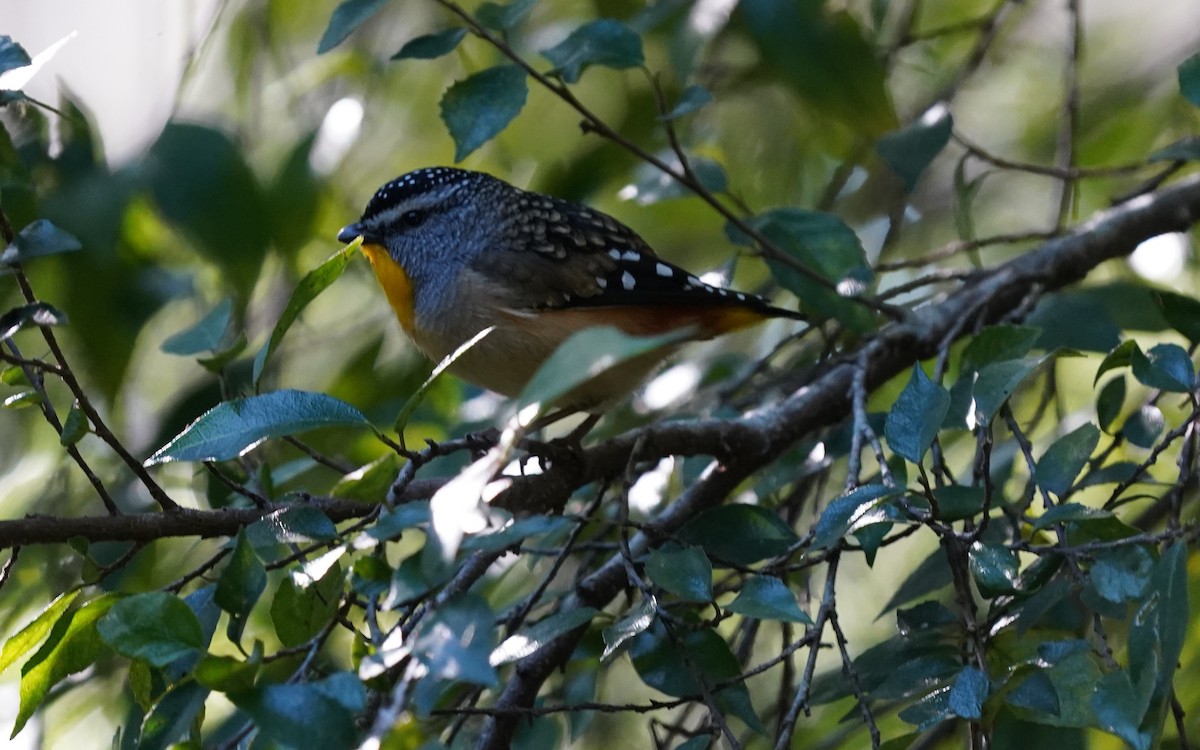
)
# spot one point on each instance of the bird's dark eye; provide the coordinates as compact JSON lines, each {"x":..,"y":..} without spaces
{"x":413,"y":219}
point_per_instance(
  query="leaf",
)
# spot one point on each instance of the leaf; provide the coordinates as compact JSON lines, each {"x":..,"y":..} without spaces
{"x":1189,"y":79}
{"x":914,"y":420}
{"x":205,"y":335}
{"x":1144,"y":426}
{"x":173,"y":716}
{"x":345,"y":19}
{"x":932,"y":574}
{"x":1066,"y":513}
{"x":516,"y":532}
{"x":431,"y":46}
{"x":1118,"y":710}
{"x":967,"y":694}
{"x":1184,"y":149}
{"x":768,"y":598}
{"x":1110,"y":402}
{"x":740,"y":534}
{"x":1166,"y":367}
{"x":929,"y":711}
{"x":242,"y":580}
{"x":525,"y":642}
{"x":21,"y":642}
{"x":910,"y":150}
{"x":455,"y":643}
{"x":693,"y":98}
{"x":588,"y":354}
{"x":996,"y":382}
{"x":232,"y":428}
{"x":297,"y":524}
{"x":38,"y":239}
{"x":634,"y":622}
{"x":1065,"y":458}
{"x":956,"y":502}
{"x":997,"y":344}
{"x":156,"y":627}
{"x":994,"y":569}
{"x":71,"y":647}
{"x":300,"y":612}
{"x":504,"y":17}
{"x":604,"y":42}
{"x":33,"y":314}
{"x":1181,"y":312}
{"x":684,"y":571}
{"x":1034,"y":692}
{"x":849,"y":512}
{"x":1121,"y":574}
{"x":314,"y":714}
{"x":924,"y":616}
{"x":12,"y":55}
{"x":477,"y":108}
{"x":406,"y":411}
{"x":313,"y":283}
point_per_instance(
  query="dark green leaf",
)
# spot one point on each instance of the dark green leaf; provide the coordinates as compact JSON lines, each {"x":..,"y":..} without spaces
{"x":231,"y":428}
{"x":516,"y":532}
{"x":477,"y":108}
{"x":654,"y":185}
{"x":910,"y":150}
{"x":1065,"y":458}
{"x":997,"y":344}
{"x":994,"y":569}
{"x":604,"y":42}
{"x":314,"y":714}
{"x":740,"y":534}
{"x":967,"y":694}
{"x":684,"y":571}
{"x":12,"y":55}
{"x":1110,"y":402}
{"x":1121,"y":574}
{"x":1184,"y":149}
{"x":345,"y":19}
{"x":228,"y":674}
{"x":1066,"y":513}
{"x":294,"y":525}
{"x":300,"y":612}
{"x":431,"y":46}
{"x":36,"y":314}
{"x":924,"y":616}
{"x":1034,"y":692}
{"x":75,"y":426}
{"x":156,"y":627}
{"x":525,"y":642}
{"x":956,"y":502}
{"x":851,"y":511}
{"x":693,"y":98}
{"x":634,"y":622}
{"x":37,"y":239}
{"x":932,"y":574}
{"x":930,"y":711}
{"x":914,"y":419}
{"x":1120,"y":356}
{"x":456,"y":642}
{"x":1166,"y":367}
{"x":1052,"y":652}
{"x":313,"y":283}
{"x":1118,"y":709}
{"x":996,"y":382}
{"x":1144,"y":426}
{"x":242,"y":580}
{"x":393,"y":522}
{"x":1181,"y":312}
{"x":504,"y":17}
{"x":768,"y":598}
{"x":173,"y":716}
{"x":1189,"y":79}
{"x":206,"y":335}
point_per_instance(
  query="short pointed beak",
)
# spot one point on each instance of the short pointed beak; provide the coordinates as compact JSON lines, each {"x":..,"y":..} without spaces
{"x":349,"y":232}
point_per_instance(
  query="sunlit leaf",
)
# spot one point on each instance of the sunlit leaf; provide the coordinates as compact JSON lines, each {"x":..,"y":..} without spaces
{"x":12,"y":55}
{"x":33,"y":314}
{"x":527,"y":641}
{"x":25,"y":639}
{"x":634,"y":622}
{"x":156,"y":627}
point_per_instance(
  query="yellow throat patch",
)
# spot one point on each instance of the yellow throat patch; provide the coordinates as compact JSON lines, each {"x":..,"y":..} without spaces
{"x":395,"y":282}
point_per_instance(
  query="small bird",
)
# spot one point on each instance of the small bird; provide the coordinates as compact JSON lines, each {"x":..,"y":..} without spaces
{"x":457,"y":251}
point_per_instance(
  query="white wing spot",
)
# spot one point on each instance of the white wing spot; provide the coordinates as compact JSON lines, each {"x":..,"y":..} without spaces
{"x":628,"y":281}
{"x":632,"y":256}
{"x":664,"y":270}
{"x":601,"y":282}
{"x":614,"y":254}
{"x":741,"y":297}
{"x":723,"y":292}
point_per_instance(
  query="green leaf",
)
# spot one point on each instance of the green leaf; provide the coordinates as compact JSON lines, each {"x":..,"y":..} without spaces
{"x":1144,"y":426}
{"x":406,"y":411}
{"x":924,"y":616}
{"x":75,"y":426}
{"x":684,"y":571}
{"x":1121,"y":574}
{"x":740,"y":534}
{"x":71,"y":647}
{"x":956,"y":502}
{"x":38,"y":239}
{"x":313,"y":714}
{"x":345,"y":19}
{"x":652,"y":185}
{"x":297,"y":524}
{"x":693,"y":98}
{"x":915,"y":418}
{"x":157,"y":628}
{"x":503,"y":18}
{"x":205,"y":335}
{"x":994,"y":569}
{"x":1166,"y":367}
{"x":932,"y":574}
{"x":1110,"y":402}
{"x":300,"y":612}
{"x":313,"y":283}
{"x":231,"y":428}
{"x":12,"y":55}
{"x":431,"y":46}
{"x":1189,"y":79}
{"x":634,"y":622}
{"x":173,"y":716}
{"x":1120,"y":356}
{"x":852,"y":511}
{"x":1065,"y":458}
{"x":455,"y":643}
{"x":22,"y":400}
{"x":1184,"y":149}
{"x":33,"y":314}
{"x":768,"y":598}
{"x":25,"y":639}
{"x":929,"y":711}
{"x":477,"y":108}
{"x":516,"y":532}
{"x":527,"y":641}
{"x":967,"y":694}
{"x":242,"y":581}
{"x":1181,"y":312}
{"x":1034,"y":691}
{"x":588,"y":354}
{"x":997,"y":344}
{"x":1118,"y":709}
{"x":910,"y":150}
{"x":1067,"y":513}
{"x":604,"y":42}
{"x":996,"y":382}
